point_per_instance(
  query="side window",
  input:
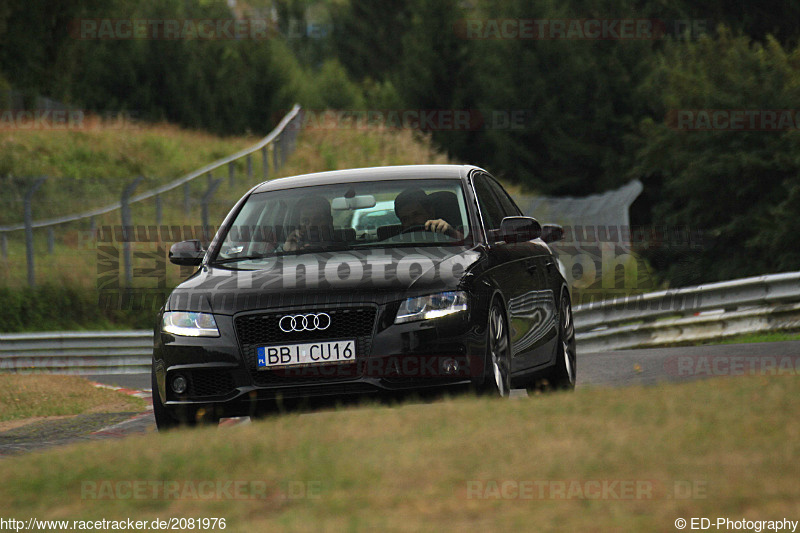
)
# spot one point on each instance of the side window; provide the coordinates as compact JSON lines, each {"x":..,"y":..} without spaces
{"x":491,"y":210}
{"x":508,"y":206}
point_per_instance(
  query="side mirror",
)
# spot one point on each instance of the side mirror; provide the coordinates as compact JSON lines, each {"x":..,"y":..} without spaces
{"x":519,"y":229}
{"x":552,"y":233}
{"x":187,"y":253}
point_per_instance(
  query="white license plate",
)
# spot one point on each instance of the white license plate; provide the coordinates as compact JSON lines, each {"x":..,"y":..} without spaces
{"x":312,"y":353}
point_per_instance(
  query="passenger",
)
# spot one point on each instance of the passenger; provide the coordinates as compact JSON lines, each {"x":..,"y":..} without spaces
{"x":315,"y":224}
{"x":415,"y":209}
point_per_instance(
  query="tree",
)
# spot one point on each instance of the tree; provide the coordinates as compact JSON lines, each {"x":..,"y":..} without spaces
{"x":737,"y":184}
{"x":368,"y":36}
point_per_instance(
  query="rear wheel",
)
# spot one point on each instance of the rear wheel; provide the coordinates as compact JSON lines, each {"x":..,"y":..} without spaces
{"x":565,"y":371}
{"x":497,"y":376}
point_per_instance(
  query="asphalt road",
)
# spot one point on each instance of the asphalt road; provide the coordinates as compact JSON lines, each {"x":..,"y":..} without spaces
{"x":631,"y":367}
{"x":625,"y":368}
{"x":615,"y":369}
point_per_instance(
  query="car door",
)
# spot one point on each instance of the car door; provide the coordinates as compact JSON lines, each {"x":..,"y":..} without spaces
{"x":508,"y":268}
{"x":530,"y":301}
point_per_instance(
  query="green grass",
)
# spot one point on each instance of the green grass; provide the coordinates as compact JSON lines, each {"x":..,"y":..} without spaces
{"x":89,"y":169}
{"x":722,"y":447}
{"x":25,"y":396}
{"x":71,"y":274}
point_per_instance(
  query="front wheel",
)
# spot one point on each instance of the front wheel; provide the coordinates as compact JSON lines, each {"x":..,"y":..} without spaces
{"x":565,"y":371}
{"x":497,"y":376}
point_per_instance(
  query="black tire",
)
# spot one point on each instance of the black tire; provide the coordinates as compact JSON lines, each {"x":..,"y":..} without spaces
{"x":497,"y":374}
{"x":566,"y":369}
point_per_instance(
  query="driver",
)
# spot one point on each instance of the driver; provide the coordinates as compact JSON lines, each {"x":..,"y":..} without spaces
{"x":315,"y":224}
{"x":415,"y":209}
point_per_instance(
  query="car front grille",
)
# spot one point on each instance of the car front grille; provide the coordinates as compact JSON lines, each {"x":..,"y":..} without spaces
{"x":261,"y":329}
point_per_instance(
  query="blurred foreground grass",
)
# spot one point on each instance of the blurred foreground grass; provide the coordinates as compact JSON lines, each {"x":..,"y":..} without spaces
{"x":721,"y":447}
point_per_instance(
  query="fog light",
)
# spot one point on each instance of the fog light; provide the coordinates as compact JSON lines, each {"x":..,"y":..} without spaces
{"x":450,"y":366}
{"x":179,"y":384}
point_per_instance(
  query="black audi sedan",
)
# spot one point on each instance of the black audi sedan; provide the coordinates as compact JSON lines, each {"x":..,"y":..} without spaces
{"x":443,"y":282}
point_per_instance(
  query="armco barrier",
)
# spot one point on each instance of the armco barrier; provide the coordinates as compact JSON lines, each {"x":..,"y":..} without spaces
{"x":715,"y":310}
{"x":705,"y":312}
{"x":77,"y":352}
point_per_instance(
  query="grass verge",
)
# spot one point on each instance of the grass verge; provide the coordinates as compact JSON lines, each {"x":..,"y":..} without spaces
{"x":28,"y":395}
{"x":84,"y":274}
{"x":723,"y":447}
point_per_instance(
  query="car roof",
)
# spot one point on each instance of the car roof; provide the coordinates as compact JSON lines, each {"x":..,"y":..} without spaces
{"x":368,"y":174}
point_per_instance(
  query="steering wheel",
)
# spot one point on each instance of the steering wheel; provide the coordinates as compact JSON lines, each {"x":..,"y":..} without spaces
{"x":422,"y":236}
{"x":411,"y":229}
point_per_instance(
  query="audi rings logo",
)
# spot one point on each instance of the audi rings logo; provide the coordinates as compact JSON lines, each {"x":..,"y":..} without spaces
{"x":309,"y":322}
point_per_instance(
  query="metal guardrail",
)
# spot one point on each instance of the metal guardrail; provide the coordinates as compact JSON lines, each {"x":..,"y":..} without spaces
{"x":707,"y":311}
{"x":274,"y":134}
{"x":77,"y":352}
{"x":715,"y":310}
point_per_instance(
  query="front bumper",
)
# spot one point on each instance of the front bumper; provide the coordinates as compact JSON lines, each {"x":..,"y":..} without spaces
{"x":221,"y":371}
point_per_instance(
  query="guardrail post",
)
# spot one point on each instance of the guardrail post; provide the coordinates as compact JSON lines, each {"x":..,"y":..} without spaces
{"x":212,"y":188}
{"x":128,"y":233}
{"x":51,"y":240}
{"x":29,"y":228}
{"x":292,"y":136}
{"x":280,"y":139}
{"x":265,"y":162}
{"x":159,"y":212}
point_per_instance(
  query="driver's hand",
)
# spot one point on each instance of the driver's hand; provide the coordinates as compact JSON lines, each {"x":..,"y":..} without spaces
{"x":441,"y":226}
{"x":438,"y":226}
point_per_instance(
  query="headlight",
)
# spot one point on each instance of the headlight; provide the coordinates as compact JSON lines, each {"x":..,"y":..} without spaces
{"x":432,"y":306}
{"x":189,"y":324}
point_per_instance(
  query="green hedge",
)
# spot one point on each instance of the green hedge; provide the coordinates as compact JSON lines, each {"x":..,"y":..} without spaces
{"x":57,"y":308}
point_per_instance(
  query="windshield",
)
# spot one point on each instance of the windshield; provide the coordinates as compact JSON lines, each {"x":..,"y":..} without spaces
{"x":346,"y":216}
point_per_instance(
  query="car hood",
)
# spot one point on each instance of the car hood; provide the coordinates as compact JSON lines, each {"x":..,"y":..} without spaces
{"x":378,"y":275}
